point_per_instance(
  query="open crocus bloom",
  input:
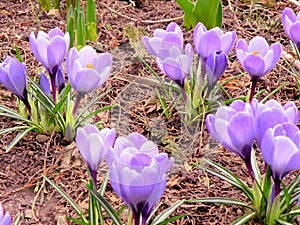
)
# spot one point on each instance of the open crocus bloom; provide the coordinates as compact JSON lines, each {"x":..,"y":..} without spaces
{"x":93,"y":145}
{"x":87,"y":70}
{"x":258,"y":58}
{"x":5,"y":217}
{"x":50,"y":49}
{"x":234,"y":127}
{"x":213,"y":40}
{"x":175,"y":64}
{"x":281,"y":149}
{"x":291,"y":25}
{"x":138,"y":173}
{"x":271,"y":113}
{"x":164,"y":40}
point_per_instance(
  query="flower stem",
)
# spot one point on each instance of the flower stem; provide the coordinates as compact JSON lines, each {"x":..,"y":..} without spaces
{"x":277,"y":187}
{"x":254,"y":82}
{"x":183,"y":93}
{"x":53,"y":87}
{"x":76,"y":105}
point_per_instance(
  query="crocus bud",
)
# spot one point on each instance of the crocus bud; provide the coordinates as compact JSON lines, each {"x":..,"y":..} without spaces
{"x":93,"y":145}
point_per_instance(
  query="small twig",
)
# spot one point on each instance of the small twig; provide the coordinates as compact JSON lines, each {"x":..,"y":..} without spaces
{"x":142,"y":21}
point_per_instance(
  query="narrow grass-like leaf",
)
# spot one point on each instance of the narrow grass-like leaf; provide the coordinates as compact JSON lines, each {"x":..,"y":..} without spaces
{"x":91,"y":21}
{"x":70,"y":26}
{"x":273,"y":92}
{"x":77,"y":221}
{"x":82,"y":112}
{"x":18,"y":138}
{"x":283,"y":222}
{"x":174,"y":218}
{"x":67,"y":197}
{"x":243,"y":219}
{"x":104,"y":184}
{"x":220,"y":200}
{"x":108,"y":208}
{"x":228,"y":176}
{"x":94,"y":113}
{"x":166,"y":213}
{"x":10,"y":129}
{"x":17,"y":220}
{"x":163,"y":104}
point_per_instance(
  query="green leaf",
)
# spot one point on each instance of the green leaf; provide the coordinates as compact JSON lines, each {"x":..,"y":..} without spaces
{"x":189,"y":20}
{"x":228,"y":176}
{"x":70,"y":26}
{"x":10,"y":129}
{"x":17,"y":220}
{"x":166,"y":213}
{"x":66,"y":196}
{"x":91,"y":21}
{"x":206,"y":12}
{"x":163,"y":104}
{"x":46,"y":4}
{"x":283,"y":222}
{"x":77,"y":221}
{"x":82,"y":112}
{"x":18,"y":138}
{"x":220,"y":200}
{"x":174,"y":218}
{"x":244,"y":219}
{"x":80,"y":30}
{"x":56,"y":4}
{"x":274,"y":212}
{"x":108,"y":208}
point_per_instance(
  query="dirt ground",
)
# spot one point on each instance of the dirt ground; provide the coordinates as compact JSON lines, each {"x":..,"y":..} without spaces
{"x":24,"y":191}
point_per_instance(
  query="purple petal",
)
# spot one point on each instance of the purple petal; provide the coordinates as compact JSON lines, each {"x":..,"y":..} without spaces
{"x":255,"y":65}
{"x":209,"y":42}
{"x":44,"y":84}
{"x":288,"y":17}
{"x":258,"y":44}
{"x":228,"y":40}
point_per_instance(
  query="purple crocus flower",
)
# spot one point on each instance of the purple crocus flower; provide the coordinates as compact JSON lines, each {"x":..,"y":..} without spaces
{"x":138,"y":173}
{"x":164,"y":40}
{"x":234,"y":127}
{"x":60,"y":79}
{"x":212,"y":47}
{"x":271,"y":113}
{"x":13,"y":77}
{"x":257,"y":58}
{"x":50,"y":49}
{"x":213,"y":40}
{"x":87,"y":70}
{"x":5,"y":217}
{"x":291,"y":25}
{"x":177,"y":65}
{"x":44,"y":83}
{"x":167,"y":47}
{"x":216,"y":65}
{"x":280,"y":147}
{"x":93,"y":145}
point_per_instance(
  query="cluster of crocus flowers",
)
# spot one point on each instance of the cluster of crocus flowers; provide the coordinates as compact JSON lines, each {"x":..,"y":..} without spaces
{"x":50,"y":49}
{"x":137,"y":169}
{"x":5,"y":217}
{"x":273,"y":127}
{"x":172,"y":58}
{"x":257,"y":58}
{"x":175,"y":61}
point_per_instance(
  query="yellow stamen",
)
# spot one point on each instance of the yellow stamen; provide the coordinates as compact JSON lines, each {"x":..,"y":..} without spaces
{"x":255,"y":52}
{"x":90,"y":66}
